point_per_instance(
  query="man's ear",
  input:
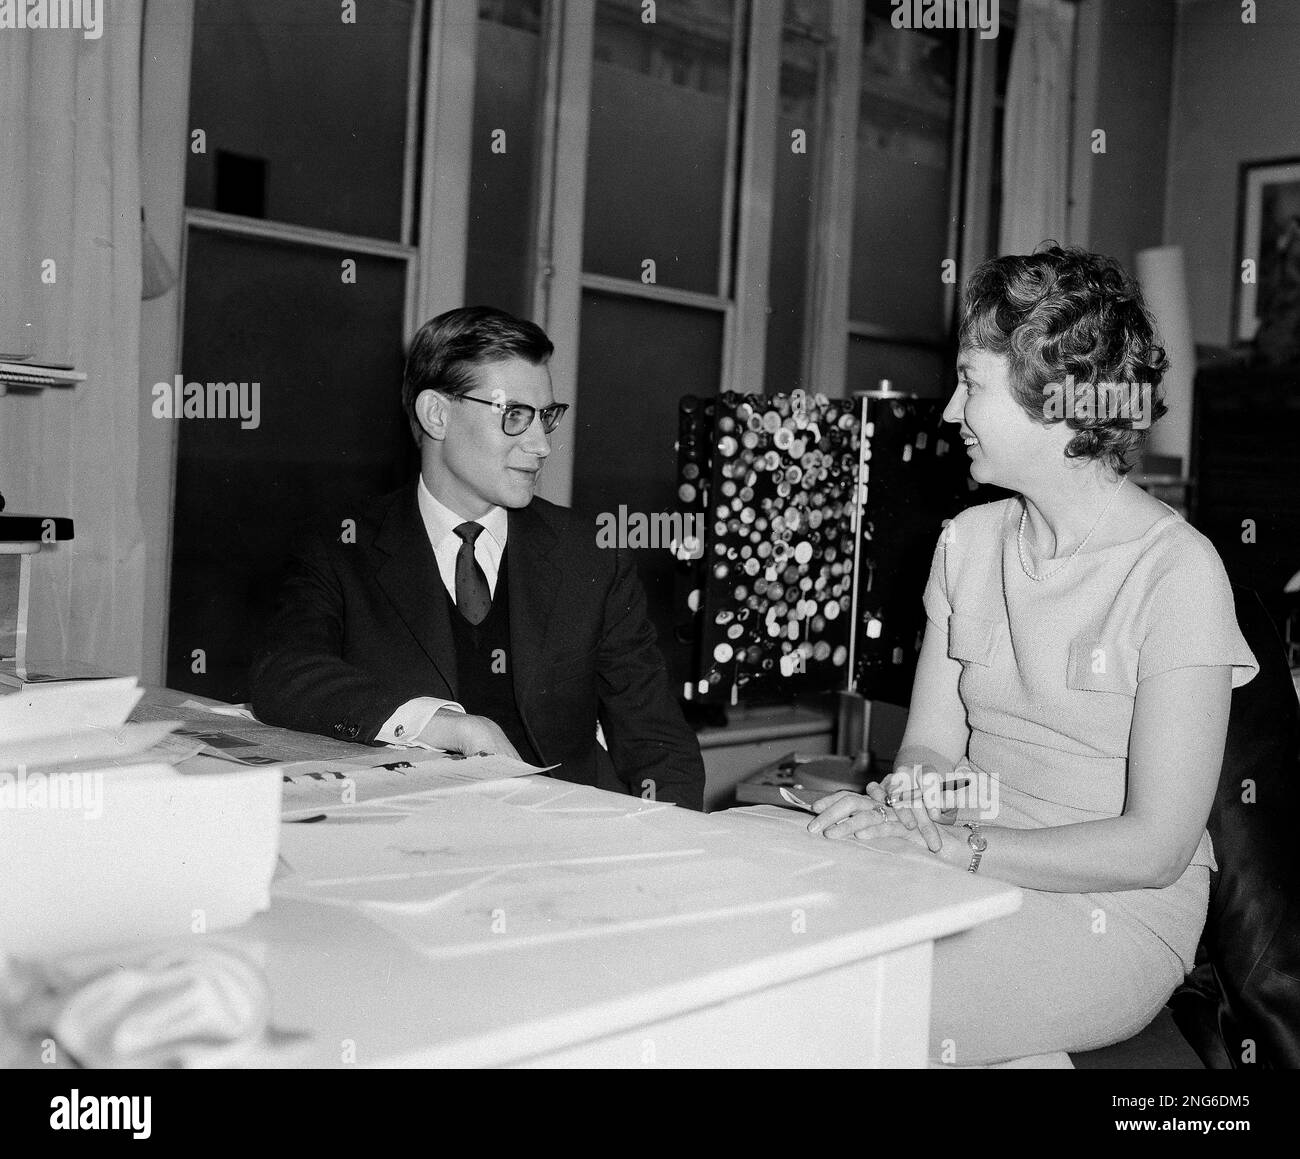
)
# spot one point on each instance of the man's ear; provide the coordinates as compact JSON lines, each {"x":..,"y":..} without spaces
{"x":431,"y":413}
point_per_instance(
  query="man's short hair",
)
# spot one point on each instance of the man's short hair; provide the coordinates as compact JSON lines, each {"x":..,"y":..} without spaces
{"x":446,"y":349}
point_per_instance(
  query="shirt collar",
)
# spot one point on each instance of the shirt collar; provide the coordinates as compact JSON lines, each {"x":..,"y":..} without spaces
{"x":440,"y":521}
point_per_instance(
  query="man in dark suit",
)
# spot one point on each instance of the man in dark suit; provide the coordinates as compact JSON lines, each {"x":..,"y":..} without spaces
{"x":461,"y":613}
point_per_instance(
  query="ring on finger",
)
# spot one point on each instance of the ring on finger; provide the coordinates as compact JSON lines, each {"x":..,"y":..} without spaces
{"x":889,"y":800}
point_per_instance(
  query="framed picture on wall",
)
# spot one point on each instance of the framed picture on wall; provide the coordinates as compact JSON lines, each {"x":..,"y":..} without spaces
{"x":1268,"y":233}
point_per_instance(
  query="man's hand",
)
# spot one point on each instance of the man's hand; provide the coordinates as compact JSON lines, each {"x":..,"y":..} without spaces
{"x":458,"y":732}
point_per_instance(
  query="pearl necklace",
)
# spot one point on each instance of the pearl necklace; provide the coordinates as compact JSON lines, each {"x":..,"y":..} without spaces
{"x":1020,"y":539}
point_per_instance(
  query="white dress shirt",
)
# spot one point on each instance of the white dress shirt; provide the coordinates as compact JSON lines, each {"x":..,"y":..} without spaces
{"x":440,"y":523}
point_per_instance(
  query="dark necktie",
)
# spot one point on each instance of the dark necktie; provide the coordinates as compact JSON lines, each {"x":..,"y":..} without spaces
{"x":473,"y":596}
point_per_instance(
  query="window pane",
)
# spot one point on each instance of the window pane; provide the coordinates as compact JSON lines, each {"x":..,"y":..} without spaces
{"x":636,"y":359}
{"x":797,"y":160}
{"x":305,"y":116}
{"x":330,"y":432}
{"x":656,"y":159}
{"x":904,"y":174}
{"x":507,"y":107}
{"x":909,"y":369}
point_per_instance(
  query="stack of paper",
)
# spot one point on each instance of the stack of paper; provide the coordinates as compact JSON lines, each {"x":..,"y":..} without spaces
{"x":101,"y":844}
{"x":64,"y":722}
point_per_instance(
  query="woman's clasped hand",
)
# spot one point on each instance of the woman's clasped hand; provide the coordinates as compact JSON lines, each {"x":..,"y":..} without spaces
{"x":914,"y":803}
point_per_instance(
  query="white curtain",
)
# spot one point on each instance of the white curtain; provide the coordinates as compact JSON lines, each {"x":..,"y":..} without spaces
{"x":70,"y":195}
{"x":1036,"y":132}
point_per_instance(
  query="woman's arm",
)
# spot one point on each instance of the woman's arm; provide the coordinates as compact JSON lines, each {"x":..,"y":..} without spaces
{"x":936,"y":733}
{"x":1180,"y":723}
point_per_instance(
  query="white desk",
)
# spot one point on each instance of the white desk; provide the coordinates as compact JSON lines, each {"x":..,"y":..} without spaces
{"x":840,"y":977}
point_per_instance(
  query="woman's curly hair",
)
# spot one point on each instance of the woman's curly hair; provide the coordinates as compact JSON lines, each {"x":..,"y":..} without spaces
{"x":1061,"y":312}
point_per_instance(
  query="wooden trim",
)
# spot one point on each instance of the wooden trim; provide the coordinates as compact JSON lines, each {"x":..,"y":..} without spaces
{"x":730,"y":181}
{"x":558,"y":292}
{"x":299,"y":234}
{"x":545,"y":142}
{"x":164,"y":149}
{"x":626,"y":288}
{"x":748,"y":339}
{"x":411,"y":151}
{"x":1083,"y":119}
{"x":832,"y":256}
{"x":445,"y":162}
{"x":898,"y":337}
{"x":977,"y":242}
{"x":957,"y":162}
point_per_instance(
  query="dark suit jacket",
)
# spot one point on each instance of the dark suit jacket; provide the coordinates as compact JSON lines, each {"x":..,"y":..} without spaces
{"x":363,"y":627}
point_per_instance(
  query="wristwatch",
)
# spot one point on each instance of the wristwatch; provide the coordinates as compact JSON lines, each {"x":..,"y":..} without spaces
{"x":978,"y":844}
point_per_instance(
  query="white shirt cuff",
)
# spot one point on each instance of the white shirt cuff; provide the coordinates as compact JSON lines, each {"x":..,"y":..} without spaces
{"x":403,"y":728}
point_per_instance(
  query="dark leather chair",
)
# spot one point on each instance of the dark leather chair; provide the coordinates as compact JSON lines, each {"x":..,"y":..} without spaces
{"x":1240,"y":1006}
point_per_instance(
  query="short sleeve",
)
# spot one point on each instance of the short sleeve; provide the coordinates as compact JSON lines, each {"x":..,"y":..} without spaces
{"x":937,"y":605}
{"x":1192,"y":621}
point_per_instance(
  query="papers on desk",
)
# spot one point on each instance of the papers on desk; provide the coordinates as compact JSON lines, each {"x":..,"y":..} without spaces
{"x":319,"y":772}
{"x":312,"y":791}
{"x":485,"y":870}
{"x":527,"y":907}
{"x":233,"y":735}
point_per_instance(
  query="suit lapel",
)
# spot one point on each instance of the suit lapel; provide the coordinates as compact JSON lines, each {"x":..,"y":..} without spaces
{"x":534,"y":581}
{"x":409,"y":577}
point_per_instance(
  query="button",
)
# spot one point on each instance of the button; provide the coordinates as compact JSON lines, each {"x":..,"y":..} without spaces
{"x":722,"y":653}
{"x":686,"y":493}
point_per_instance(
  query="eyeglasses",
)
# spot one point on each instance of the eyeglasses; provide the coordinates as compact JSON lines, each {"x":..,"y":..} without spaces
{"x":517,"y":417}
